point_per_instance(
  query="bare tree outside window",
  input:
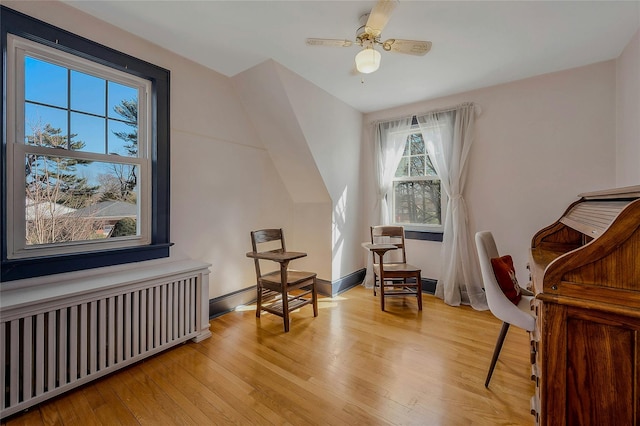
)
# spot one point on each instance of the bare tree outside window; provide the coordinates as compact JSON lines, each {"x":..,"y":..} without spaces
{"x":416,"y":189}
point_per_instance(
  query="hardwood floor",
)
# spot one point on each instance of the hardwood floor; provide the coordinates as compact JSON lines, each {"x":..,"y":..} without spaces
{"x":353,"y":364}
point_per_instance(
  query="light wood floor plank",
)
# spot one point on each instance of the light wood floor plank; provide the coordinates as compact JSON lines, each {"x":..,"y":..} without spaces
{"x":82,"y":411}
{"x":353,"y":364}
{"x":227,"y":392}
{"x":114,"y":411}
{"x":49,"y":412}
{"x":28,"y":418}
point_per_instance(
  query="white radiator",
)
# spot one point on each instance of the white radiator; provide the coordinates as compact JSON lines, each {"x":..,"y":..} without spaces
{"x":57,"y":337}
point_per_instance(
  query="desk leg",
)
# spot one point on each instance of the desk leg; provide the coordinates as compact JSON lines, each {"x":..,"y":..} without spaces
{"x":381,"y":283}
{"x":419,"y":289}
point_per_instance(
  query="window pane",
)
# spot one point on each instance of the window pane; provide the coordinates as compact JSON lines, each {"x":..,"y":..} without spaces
{"x":407,"y":147}
{"x":45,"y":126}
{"x":417,"y":165}
{"x":71,"y":200}
{"x":45,"y":82}
{"x":417,"y":144}
{"x":403,"y":168}
{"x":87,"y":93}
{"x":123,"y":102}
{"x":431,"y":171}
{"x":417,"y":202}
{"x":123,"y":138}
{"x":88,"y":133}
{"x":118,"y":182}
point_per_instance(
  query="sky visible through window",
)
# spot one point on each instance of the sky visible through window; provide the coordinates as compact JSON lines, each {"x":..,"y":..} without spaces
{"x":80,"y":105}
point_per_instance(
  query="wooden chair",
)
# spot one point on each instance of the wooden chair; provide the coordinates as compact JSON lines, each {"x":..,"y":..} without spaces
{"x":275,"y":288}
{"x":391,"y":277}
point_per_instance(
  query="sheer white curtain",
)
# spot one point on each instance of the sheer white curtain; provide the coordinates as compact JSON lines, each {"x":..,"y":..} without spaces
{"x":449,"y":136}
{"x":389,"y":139}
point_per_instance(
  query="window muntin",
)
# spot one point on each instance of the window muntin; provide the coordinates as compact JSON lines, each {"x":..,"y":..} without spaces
{"x":417,"y":193}
{"x":80,"y":135}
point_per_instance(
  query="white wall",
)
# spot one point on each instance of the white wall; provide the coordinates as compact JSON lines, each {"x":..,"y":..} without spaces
{"x":314,"y":140}
{"x":270,"y":111}
{"x":332,"y":131}
{"x":223,"y":182}
{"x":628,"y":114}
{"x":539,"y":142}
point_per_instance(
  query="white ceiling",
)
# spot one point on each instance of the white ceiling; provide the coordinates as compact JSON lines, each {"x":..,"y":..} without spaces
{"x":475,"y":43}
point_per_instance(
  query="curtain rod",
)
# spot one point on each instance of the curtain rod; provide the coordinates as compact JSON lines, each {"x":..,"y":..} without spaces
{"x":447,"y":109}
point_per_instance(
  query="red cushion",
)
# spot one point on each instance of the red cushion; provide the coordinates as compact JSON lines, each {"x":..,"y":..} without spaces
{"x":506,"y":276}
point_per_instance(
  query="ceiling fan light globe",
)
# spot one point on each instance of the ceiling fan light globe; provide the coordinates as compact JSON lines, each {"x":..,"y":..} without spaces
{"x":367,"y":60}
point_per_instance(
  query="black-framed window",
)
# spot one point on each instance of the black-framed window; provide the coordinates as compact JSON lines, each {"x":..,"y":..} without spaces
{"x":85,"y":153}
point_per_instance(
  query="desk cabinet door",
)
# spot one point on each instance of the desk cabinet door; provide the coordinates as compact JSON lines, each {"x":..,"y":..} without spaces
{"x":600,"y":370}
{"x":593,"y":372}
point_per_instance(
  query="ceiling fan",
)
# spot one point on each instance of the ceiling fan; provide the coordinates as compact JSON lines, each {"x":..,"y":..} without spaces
{"x":368,"y":36}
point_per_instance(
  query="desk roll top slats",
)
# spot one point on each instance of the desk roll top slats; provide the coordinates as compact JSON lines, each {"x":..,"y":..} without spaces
{"x":585,"y":271}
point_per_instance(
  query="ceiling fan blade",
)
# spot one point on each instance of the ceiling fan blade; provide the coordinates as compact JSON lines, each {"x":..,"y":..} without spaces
{"x":379,"y":16}
{"x":410,"y":47}
{"x":328,"y":42}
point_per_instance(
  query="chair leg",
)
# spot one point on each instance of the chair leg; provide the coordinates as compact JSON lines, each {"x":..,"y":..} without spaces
{"x":285,"y":310}
{"x":419,"y":290}
{"x":381,"y":293}
{"x":375,"y":279}
{"x":496,"y":351}
{"x":314,"y":296}
{"x":259,"y":302}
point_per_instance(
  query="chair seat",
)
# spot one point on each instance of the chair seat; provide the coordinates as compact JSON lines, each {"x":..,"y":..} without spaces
{"x":396,"y":267}
{"x":293,"y":277}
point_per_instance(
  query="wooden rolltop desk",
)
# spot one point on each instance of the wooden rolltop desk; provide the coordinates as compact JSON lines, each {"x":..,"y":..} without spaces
{"x":585,"y":272}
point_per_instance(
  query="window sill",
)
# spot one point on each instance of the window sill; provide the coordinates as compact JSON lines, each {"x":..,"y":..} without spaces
{"x":423,"y":235}
{"x":20,"y":269}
